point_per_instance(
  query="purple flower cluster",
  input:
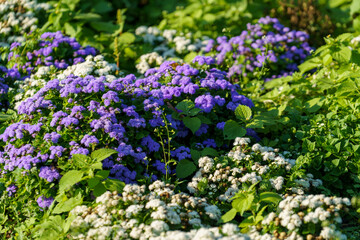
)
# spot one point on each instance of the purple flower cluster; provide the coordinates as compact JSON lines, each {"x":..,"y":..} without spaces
{"x":266,"y":43}
{"x":48,"y":173}
{"x":44,"y":202}
{"x":77,"y":115}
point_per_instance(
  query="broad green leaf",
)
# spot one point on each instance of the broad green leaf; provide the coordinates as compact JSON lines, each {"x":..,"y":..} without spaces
{"x":309,"y":145}
{"x":190,"y":56}
{"x":347,"y":86}
{"x":209,"y":152}
{"x":80,"y":160}
{"x":193,"y":123}
{"x":68,"y":205}
{"x":99,"y":190}
{"x":346,"y":36}
{"x":327,"y":59}
{"x":185,"y":106}
{"x":354,"y":7}
{"x":5,"y":117}
{"x":342,"y":55}
{"x":314,"y":104}
{"x":232,"y":130}
{"x":185,"y":168}
{"x":102,"y":174}
{"x":70,"y":30}
{"x":227,"y":217}
{"x":270,"y":197}
{"x":87,"y":16}
{"x":126,"y":38}
{"x":250,"y":221}
{"x":102,"y":154}
{"x":195,"y":154}
{"x":69,"y":179}
{"x":243,"y":112}
{"x":104,"y":26}
{"x":114,"y":185}
{"x":243,"y":203}
{"x":310,"y":64}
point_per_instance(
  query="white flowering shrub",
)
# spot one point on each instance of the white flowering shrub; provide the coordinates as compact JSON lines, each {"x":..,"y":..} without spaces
{"x":95,"y":66}
{"x":18,"y":17}
{"x":313,"y":216}
{"x":221,"y":178}
{"x":143,"y":212}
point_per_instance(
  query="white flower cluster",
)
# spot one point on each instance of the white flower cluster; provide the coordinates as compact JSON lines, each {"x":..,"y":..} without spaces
{"x":18,"y":17}
{"x":167,"y":44}
{"x":149,"y":60}
{"x":296,"y":211}
{"x":95,"y":66}
{"x":246,"y":164}
{"x":228,"y":231}
{"x":140,"y":215}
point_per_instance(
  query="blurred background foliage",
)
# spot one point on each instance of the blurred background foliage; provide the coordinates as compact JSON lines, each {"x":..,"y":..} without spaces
{"x":109,"y":25}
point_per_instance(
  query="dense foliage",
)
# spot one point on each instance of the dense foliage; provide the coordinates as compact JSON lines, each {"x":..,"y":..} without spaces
{"x":179,"y":119}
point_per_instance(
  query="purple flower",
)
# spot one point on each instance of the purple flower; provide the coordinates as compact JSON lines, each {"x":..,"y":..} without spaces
{"x":11,"y":190}
{"x":49,"y":174}
{"x":44,"y":202}
{"x":87,"y":140}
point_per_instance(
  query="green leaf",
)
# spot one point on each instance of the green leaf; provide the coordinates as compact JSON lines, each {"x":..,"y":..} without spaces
{"x":193,"y":123}
{"x":347,"y":86}
{"x":102,"y":154}
{"x":309,"y":145}
{"x":114,"y":185}
{"x":102,"y":174}
{"x":185,"y":106}
{"x":243,"y":112}
{"x":104,"y":26}
{"x":70,"y":30}
{"x":227,"y":217}
{"x":5,"y":117}
{"x":270,"y":197}
{"x":209,"y":152}
{"x":343,"y":54}
{"x":232,"y":130}
{"x":314,"y":104}
{"x":87,"y":16}
{"x":346,"y":36}
{"x":99,"y":190}
{"x":190,"y":56}
{"x":310,"y":64}
{"x":68,"y":205}
{"x":243,"y":203}
{"x":185,"y":168}
{"x":195,"y":154}
{"x":80,"y":160}
{"x":69,"y":179}
{"x":327,"y":59}
{"x":126,"y":38}
{"x":354,"y":7}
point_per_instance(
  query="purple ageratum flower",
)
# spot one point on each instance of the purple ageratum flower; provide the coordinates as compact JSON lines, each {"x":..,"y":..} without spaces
{"x":181,"y":153}
{"x":54,"y":137}
{"x":137,"y":122}
{"x":44,"y":202}
{"x":150,"y":143}
{"x":49,"y":173}
{"x":56,"y":151}
{"x":87,"y":140}
{"x":160,"y":166}
{"x":205,"y":102}
{"x":209,"y":143}
{"x":110,"y":96}
{"x":202,"y":130}
{"x":79,"y":150}
{"x":201,"y":60}
{"x":67,"y":121}
{"x":11,"y":190}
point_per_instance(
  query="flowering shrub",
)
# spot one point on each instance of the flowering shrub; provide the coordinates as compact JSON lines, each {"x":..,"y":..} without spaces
{"x":316,"y":216}
{"x":95,"y":66}
{"x":220,"y":179}
{"x":51,"y":49}
{"x":19,"y":17}
{"x":267,"y":43}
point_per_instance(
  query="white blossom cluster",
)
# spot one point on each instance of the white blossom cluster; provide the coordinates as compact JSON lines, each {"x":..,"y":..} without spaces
{"x":142,"y":213}
{"x":296,"y":211}
{"x":167,"y":44}
{"x":95,"y":66}
{"x":148,"y":61}
{"x":18,"y":17}
{"x":246,"y":164}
